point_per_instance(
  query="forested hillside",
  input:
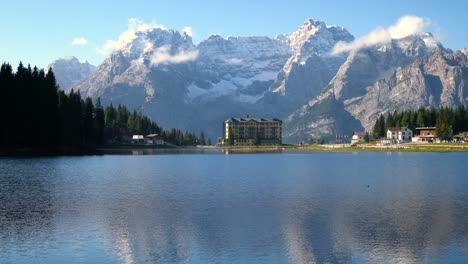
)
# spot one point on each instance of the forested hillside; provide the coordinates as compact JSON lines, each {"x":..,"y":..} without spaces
{"x":37,"y":117}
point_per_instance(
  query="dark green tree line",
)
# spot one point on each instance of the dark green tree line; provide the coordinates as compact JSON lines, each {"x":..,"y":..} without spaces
{"x":37,"y":116}
{"x":447,"y":120}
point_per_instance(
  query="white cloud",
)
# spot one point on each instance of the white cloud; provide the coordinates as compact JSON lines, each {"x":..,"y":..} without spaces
{"x":234,"y":61}
{"x":79,"y":41}
{"x":134,"y":25}
{"x":405,"y":26}
{"x":188,"y":30}
{"x":162,"y":55}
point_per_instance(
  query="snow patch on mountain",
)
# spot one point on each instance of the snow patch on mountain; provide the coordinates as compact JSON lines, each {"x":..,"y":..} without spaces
{"x":313,"y":38}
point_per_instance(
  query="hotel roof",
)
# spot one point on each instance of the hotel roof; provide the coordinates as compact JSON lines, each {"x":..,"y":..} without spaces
{"x":247,"y":119}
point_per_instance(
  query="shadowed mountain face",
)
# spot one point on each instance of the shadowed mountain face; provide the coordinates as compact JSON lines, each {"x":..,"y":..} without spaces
{"x":69,"y":71}
{"x":178,"y":84}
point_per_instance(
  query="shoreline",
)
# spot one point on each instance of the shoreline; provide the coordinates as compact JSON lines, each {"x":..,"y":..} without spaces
{"x":141,"y":149}
{"x":433,"y":147}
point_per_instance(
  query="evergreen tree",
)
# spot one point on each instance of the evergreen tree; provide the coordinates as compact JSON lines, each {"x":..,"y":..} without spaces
{"x":87,"y":123}
{"x":230,"y":139}
{"x":443,"y":128}
{"x":99,"y":125}
{"x":405,"y":119}
{"x":202,"y":138}
{"x":7,"y":100}
{"x":366,"y":137}
{"x":209,"y":142}
{"x":50,"y":111}
{"x":390,"y":121}
{"x":379,"y":127}
{"x":420,"y":119}
{"x":257,"y":139}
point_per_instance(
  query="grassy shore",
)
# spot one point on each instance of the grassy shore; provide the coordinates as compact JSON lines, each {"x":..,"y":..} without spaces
{"x":436,"y":147}
{"x":442,"y":147}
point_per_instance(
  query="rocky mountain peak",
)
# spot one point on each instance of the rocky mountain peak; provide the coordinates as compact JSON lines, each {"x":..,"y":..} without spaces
{"x":69,"y":71}
{"x":313,"y":39}
{"x":465,"y":51}
{"x":320,"y":37}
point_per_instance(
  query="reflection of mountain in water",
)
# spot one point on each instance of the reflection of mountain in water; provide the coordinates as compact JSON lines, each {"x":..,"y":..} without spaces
{"x":403,"y":221}
{"x":256,"y":208}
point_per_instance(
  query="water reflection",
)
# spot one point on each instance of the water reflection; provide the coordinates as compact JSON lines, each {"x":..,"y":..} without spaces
{"x":259,"y":208}
{"x":22,"y":215}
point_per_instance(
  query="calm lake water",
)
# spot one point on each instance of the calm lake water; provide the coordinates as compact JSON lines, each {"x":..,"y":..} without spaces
{"x":209,"y":207}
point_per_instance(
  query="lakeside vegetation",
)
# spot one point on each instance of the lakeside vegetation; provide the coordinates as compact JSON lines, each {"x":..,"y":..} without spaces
{"x":40,"y":119}
{"x":447,"y":121}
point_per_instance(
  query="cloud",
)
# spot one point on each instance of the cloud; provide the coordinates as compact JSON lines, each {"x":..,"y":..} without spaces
{"x":162,"y":55}
{"x":79,"y":41}
{"x":405,"y":26}
{"x":188,"y":30}
{"x":134,"y":25}
{"x":234,"y":61}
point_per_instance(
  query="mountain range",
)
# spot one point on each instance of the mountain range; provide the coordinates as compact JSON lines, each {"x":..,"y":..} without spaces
{"x":293,"y":76}
{"x":69,"y":71}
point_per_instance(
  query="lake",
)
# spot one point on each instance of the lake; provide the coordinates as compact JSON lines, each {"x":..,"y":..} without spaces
{"x":213,"y":207}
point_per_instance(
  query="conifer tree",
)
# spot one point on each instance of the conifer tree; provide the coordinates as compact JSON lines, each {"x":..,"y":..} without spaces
{"x":366,"y":137}
{"x":230,"y":137}
{"x":99,"y":123}
{"x":257,"y":139}
{"x":202,"y":138}
{"x":420,"y":119}
{"x":87,"y":123}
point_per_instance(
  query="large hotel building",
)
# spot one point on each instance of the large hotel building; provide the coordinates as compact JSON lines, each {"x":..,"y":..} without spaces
{"x":243,"y":131}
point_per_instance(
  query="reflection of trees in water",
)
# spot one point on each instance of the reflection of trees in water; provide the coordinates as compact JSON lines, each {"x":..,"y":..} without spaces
{"x":26,"y":205}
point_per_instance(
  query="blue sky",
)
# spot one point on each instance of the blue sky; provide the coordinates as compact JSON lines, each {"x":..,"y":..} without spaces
{"x":38,"y":32}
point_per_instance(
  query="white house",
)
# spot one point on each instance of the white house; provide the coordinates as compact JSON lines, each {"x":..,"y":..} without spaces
{"x":399,"y":134}
{"x":358,"y":137}
{"x":138,"y":139}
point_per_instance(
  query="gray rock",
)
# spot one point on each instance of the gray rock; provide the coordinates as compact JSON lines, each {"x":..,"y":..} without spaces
{"x":69,"y":71}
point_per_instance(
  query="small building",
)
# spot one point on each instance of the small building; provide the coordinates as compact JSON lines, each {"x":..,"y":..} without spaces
{"x":359,"y":137}
{"x":155,"y":139}
{"x":138,"y":139}
{"x":244,"y":131}
{"x":220,"y":142}
{"x":399,"y":134}
{"x":461,"y":137}
{"x":426,"y":134}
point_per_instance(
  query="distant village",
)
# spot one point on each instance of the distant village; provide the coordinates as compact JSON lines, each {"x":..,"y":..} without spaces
{"x":400,"y":135}
{"x":250,"y":131}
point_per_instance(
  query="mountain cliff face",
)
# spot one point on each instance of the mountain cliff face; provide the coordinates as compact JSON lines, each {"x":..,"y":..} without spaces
{"x":291,"y":76}
{"x":439,"y":79}
{"x":374,"y":85}
{"x":309,"y":68}
{"x":69,"y":71}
